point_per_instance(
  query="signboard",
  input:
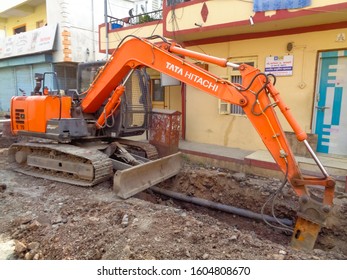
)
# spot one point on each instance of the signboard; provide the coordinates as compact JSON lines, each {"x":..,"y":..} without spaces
{"x":30,"y":42}
{"x":279,"y":65}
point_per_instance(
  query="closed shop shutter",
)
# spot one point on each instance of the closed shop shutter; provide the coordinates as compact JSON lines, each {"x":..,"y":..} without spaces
{"x":41,"y":68}
{"x":18,"y":81}
{"x":7,"y":88}
{"x":25,"y":76}
{"x":24,"y":80}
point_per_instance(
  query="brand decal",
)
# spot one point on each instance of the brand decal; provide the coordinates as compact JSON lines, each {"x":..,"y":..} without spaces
{"x":191,"y":76}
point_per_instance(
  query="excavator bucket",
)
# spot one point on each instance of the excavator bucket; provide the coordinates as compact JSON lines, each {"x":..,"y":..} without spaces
{"x":305,"y":234}
{"x":131,"y":181}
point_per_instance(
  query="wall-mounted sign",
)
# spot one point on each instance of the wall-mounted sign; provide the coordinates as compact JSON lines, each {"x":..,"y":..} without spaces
{"x":30,"y":42}
{"x":279,"y":65}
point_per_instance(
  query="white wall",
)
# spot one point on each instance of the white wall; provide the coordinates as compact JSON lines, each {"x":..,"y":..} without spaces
{"x":120,"y":8}
{"x":81,"y":18}
{"x":5,"y":4}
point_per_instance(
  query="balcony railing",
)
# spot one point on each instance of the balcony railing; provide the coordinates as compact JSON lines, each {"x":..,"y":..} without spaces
{"x":134,"y":20}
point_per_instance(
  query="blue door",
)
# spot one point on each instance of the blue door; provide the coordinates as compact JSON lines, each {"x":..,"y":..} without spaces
{"x":330,"y":112}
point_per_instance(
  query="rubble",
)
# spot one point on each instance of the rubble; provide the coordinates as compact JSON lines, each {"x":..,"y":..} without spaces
{"x":70,"y":222}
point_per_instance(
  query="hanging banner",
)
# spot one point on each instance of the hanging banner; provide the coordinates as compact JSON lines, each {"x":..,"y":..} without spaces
{"x":279,"y":65}
{"x":30,"y":42}
{"x":270,"y":5}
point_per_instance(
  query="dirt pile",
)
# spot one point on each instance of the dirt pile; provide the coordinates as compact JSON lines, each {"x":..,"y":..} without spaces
{"x":47,"y":220}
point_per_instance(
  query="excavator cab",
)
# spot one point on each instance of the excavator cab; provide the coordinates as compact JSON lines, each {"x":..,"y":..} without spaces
{"x":46,"y":84}
{"x":86,"y":73}
{"x":50,"y":84}
{"x":131,"y":118}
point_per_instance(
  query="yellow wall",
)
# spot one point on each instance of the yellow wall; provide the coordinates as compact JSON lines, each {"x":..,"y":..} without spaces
{"x":205,"y":125}
{"x":221,"y":12}
{"x":30,"y":20}
{"x":173,"y":95}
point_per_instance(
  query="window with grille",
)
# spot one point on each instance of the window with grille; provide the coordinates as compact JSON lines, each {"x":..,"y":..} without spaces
{"x":235,"y":77}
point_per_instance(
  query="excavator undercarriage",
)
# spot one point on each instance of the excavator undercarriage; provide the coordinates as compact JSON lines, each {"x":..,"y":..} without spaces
{"x":134,"y":165}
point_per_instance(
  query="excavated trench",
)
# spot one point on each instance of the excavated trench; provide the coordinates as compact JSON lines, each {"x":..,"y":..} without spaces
{"x":238,"y":200}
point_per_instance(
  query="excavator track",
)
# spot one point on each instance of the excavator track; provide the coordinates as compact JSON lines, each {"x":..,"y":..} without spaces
{"x":149,"y":150}
{"x":61,"y":162}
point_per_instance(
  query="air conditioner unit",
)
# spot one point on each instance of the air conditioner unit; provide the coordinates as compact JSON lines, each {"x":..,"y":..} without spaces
{"x":168,"y":80}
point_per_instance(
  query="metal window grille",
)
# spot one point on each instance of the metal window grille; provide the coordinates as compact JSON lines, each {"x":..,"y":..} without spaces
{"x":227,"y":108}
{"x":235,"y":109}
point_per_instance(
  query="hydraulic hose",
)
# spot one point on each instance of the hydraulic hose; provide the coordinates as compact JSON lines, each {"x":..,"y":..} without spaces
{"x":220,"y":207}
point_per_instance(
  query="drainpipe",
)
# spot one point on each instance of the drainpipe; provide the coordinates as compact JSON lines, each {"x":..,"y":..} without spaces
{"x":221,"y":207}
{"x":93,"y":32}
{"x":183,"y":97}
{"x":106,"y":27}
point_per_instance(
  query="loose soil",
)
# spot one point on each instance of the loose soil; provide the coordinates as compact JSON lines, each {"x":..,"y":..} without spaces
{"x":41,"y":219}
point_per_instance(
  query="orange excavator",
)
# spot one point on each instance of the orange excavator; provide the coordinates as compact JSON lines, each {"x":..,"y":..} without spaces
{"x":79,"y":135}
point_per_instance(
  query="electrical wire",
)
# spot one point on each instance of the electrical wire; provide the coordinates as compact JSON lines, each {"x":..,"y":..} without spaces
{"x":155,"y":27}
{"x":275,"y":195}
{"x":263,"y":88}
{"x":273,"y":198}
{"x":174,"y":18}
{"x":109,"y":7}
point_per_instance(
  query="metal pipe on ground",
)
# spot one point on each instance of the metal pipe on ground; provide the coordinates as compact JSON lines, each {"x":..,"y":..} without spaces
{"x":221,"y":207}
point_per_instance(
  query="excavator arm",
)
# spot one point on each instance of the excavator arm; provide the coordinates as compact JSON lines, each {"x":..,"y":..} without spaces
{"x":256,"y":95}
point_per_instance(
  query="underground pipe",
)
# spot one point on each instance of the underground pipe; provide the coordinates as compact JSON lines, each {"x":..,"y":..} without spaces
{"x":221,"y":207}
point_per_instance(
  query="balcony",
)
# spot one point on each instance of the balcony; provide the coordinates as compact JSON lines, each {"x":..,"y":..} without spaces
{"x":18,"y":8}
{"x":135,"y":20}
{"x":150,"y":23}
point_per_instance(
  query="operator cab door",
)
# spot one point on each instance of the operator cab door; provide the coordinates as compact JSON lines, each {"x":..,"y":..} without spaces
{"x":330,"y":110}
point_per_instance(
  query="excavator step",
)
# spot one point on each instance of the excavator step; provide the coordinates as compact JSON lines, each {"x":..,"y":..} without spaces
{"x":131,"y":181}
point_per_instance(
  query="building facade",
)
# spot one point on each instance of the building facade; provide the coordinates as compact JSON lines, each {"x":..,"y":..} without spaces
{"x":302,"y":42}
{"x":39,"y":36}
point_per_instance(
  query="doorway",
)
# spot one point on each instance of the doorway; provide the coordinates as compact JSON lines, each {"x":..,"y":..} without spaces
{"x":330,"y":108}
